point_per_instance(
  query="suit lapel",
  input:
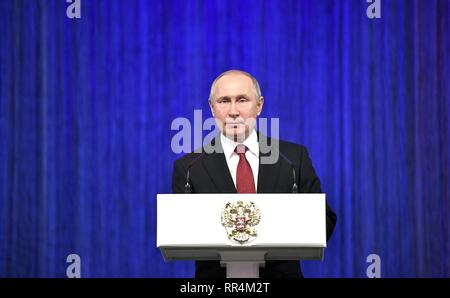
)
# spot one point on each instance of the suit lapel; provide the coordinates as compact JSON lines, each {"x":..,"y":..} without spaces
{"x":268,"y":173}
{"x":217,"y":168}
{"x":267,"y":176}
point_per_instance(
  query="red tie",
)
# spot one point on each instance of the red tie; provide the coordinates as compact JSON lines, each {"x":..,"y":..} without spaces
{"x":244,"y":175}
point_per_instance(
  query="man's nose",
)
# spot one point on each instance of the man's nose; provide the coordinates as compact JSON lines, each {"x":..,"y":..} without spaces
{"x":233,"y":113}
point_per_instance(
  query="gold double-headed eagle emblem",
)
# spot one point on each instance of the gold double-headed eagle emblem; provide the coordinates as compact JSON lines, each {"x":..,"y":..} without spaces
{"x":240,"y":220}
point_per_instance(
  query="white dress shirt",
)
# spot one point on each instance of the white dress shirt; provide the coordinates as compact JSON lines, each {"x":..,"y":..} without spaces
{"x":252,"y":155}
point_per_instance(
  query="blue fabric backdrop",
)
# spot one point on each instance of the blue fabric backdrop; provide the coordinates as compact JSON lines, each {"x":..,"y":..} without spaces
{"x":86,"y":107}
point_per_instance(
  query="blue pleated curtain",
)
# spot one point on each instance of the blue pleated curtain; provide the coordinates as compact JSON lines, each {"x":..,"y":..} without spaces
{"x":86,"y":107}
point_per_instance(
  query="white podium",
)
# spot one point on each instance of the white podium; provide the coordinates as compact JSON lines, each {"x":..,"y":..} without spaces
{"x":289,"y":227}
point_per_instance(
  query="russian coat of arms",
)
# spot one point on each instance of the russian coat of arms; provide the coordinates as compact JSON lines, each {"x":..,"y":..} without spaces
{"x":240,"y":220}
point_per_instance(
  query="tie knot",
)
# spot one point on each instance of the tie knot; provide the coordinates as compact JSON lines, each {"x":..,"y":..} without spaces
{"x":240,"y":149}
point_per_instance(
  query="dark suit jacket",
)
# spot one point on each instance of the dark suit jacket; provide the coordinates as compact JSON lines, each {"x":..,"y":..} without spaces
{"x":209,"y":173}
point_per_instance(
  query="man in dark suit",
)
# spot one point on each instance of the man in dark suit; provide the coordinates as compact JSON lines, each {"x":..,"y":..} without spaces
{"x":237,"y":163}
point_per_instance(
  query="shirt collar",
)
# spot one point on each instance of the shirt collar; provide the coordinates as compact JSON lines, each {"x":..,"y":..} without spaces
{"x":229,"y":145}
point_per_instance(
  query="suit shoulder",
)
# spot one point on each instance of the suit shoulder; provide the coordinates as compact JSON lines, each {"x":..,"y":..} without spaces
{"x":291,"y":147}
{"x":187,"y":159}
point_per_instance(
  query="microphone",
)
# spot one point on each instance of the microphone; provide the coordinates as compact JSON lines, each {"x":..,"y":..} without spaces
{"x":187,"y":186}
{"x":294,"y":176}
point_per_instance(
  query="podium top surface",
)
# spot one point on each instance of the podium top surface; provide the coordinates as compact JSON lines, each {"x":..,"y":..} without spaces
{"x":196,"y":220}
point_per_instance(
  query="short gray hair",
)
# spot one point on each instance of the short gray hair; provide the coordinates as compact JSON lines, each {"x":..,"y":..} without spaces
{"x":255,"y":82}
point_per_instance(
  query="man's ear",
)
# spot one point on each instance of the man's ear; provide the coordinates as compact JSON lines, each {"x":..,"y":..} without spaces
{"x":260,"y":104}
{"x":211,"y":107}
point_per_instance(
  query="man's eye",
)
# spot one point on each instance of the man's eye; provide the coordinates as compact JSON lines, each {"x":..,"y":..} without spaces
{"x":242,"y":99}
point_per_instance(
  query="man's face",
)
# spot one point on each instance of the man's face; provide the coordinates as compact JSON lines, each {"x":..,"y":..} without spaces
{"x":235,"y":106}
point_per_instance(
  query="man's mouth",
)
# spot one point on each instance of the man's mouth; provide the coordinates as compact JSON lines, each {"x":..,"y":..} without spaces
{"x":235,"y":123}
